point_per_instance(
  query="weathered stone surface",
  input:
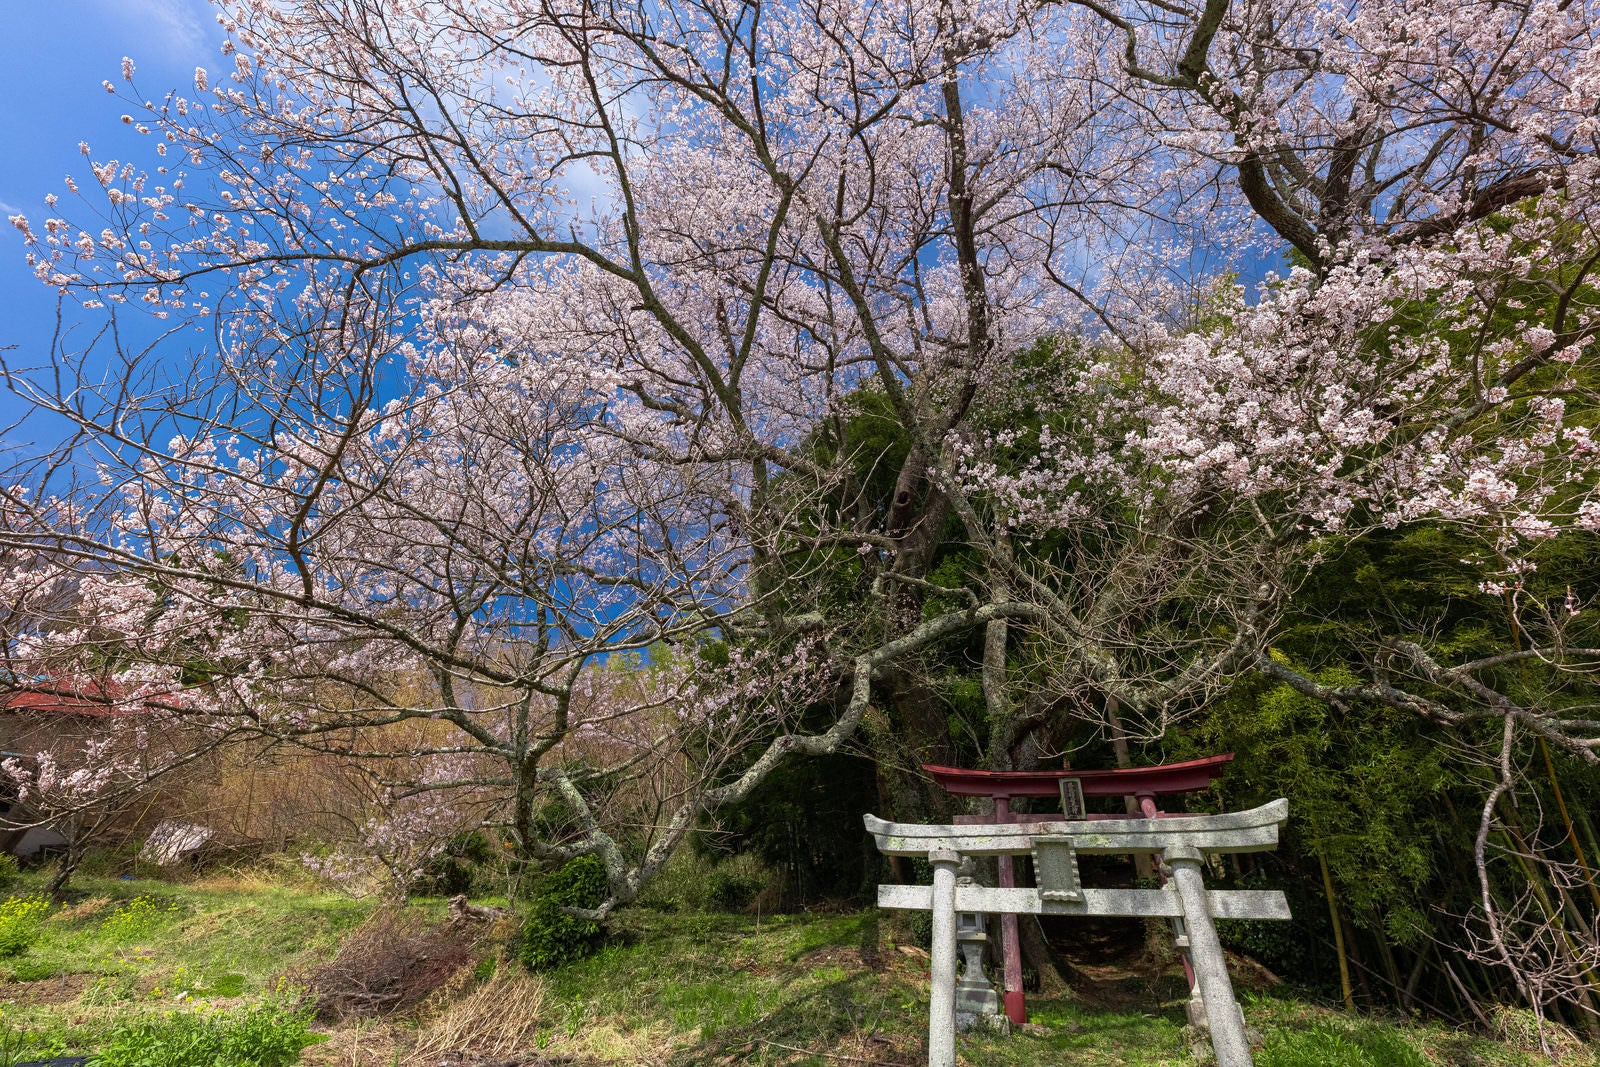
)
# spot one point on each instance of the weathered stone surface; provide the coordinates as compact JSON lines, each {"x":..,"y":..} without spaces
{"x":1255,"y":830}
{"x":1161,"y":903}
{"x":975,"y":995}
{"x":1182,"y":842}
{"x":941,"y":1006}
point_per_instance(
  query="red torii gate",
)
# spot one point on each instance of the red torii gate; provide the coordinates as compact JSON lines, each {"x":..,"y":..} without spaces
{"x":1139,"y":784}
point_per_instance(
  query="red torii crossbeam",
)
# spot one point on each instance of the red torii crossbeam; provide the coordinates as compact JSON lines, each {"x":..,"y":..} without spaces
{"x":1140,"y":784}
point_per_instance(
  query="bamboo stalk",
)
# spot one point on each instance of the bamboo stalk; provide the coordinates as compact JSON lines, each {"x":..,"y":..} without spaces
{"x":1572,"y":830}
{"x":1338,"y":935}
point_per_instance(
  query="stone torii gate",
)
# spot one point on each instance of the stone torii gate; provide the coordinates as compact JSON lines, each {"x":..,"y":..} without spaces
{"x":1182,"y":842}
{"x":1139,"y":785}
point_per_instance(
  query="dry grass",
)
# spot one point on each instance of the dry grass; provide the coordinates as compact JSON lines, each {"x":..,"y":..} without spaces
{"x":91,"y":906}
{"x":1518,"y":1027}
{"x":628,"y":1047}
{"x":499,"y":1018}
{"x":249,"y":880}
{"x":363,"y":1043}
{"x":633,"y":1043}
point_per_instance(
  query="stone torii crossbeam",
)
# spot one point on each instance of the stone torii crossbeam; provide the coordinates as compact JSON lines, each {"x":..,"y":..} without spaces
{"x":1142,"y":788}
{"x":1182,"y":842}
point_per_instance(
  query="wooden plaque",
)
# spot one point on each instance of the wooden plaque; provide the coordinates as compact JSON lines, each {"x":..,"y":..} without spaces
{"x":1072,"y":807}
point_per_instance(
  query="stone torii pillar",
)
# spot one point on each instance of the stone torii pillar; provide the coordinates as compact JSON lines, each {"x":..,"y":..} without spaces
{"x":942,"y":1002}
{"x":1139,"y":785}
{"x":1223,"y":1017}
{"x":1182,"y":841}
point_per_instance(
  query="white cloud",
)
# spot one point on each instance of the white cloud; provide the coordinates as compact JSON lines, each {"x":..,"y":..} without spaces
{"x":174,"y":29}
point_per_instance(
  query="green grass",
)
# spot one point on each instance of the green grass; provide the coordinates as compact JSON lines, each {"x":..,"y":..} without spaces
{"x":267,"y":1034}
{"x":703,"y":990}
{"x":681,"y":988}
{"x":121,"y":950}
{"x":1325,"y":1044}
{"x":152,"y":929}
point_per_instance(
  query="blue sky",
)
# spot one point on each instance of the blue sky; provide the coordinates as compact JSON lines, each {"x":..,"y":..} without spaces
{"x":54,"y":56}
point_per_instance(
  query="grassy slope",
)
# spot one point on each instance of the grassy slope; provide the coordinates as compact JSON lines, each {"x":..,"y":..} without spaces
{"x":714,"y":989}
{"x":123,"y":946}
{"x":689,"y":990}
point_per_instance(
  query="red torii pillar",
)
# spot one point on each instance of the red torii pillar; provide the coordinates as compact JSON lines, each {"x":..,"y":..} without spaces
{"x":1141,"y":784}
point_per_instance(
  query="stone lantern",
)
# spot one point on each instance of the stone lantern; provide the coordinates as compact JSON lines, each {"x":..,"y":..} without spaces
{"x":977,"y":1003}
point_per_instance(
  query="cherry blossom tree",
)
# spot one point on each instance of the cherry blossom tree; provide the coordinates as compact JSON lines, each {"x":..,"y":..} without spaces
{"x":533,"y":334}
{"x":93,"y":734}
{"x":81,"y":789}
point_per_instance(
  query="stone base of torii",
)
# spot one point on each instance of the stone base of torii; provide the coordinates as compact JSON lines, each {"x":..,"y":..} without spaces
{"x":1181,"y":841}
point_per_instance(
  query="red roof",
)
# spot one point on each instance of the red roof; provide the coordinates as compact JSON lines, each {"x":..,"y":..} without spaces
{"x":1186,"y":777}
{"x":73,"y":697}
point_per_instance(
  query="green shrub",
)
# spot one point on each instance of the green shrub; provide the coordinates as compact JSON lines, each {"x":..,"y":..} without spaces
{"x":679,"y":885}
{"x":732,"y":890}
{"x":551,"y":937}
{"x":20,"y":918}
{"x":24,"y":970}
{"x":460,"y":868}
{"x":269,"y":1034}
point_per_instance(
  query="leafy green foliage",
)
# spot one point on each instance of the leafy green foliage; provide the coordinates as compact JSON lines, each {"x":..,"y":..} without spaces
{"x":1359,"y":786}
{"x":1382,"y":796}
{"x":551,"y":937}
{"x":457,"y":869}
{"x":732,"y":890}
{"x":269,"y":1034}
{"x":1367,"y":790}
{"x":20,"y":918}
